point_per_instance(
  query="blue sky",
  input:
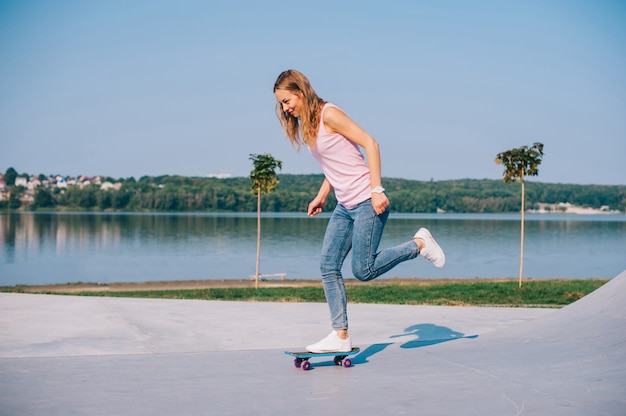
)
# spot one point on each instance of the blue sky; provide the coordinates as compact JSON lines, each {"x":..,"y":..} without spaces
{"x":133,"y":88}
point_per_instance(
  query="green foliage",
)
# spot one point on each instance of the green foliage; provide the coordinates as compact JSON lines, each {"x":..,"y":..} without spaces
{"x":43,"y":199}
{"x":14,"y":199}
{"x":9,"y":176}
{"x":520,"y":162}
{"x":263,"y":176}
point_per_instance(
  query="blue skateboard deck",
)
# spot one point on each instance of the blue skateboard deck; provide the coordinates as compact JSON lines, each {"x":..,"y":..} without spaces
{"x":340,"y":358}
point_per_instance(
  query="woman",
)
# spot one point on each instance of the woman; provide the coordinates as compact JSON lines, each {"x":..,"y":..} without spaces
{"x":358,"y":221}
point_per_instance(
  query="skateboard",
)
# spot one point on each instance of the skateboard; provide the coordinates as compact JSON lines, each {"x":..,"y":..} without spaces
{"x":340,"y":358}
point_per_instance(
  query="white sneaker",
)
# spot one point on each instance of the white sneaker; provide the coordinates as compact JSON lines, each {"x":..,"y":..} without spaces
{"x":431,"y":251}
{"x":332,"y":343}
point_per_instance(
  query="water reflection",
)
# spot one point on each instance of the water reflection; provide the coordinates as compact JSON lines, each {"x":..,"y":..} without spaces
{"x":69,"y":247}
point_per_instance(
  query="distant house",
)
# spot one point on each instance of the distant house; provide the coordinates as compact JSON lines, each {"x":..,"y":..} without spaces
{"x":61,"y":182}
{"x":221,"y":175}
{"x":108,"y":185}
{"x":33,"y":183}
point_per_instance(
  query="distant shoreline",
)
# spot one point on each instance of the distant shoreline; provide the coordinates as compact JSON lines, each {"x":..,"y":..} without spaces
{"x":567,"y":208}
{"x":174,"y":193}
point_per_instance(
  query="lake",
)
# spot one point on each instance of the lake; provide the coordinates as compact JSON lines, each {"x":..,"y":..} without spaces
{"x":45,"y":248}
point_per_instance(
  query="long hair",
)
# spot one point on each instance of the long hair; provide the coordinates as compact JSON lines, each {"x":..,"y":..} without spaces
{"x":303,"y":131}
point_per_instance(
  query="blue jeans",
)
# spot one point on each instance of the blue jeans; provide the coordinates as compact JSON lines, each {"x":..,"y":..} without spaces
{"x":359,"y":229}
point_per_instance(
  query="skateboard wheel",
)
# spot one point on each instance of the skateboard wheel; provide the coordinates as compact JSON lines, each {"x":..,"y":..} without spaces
{"x":347,"y":363}
{"x":297,"y":362}
{"x":306,"y":365}
{"x":337,"y":360}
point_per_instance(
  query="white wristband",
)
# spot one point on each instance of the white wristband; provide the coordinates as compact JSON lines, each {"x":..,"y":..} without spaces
{"x":378,"y":190}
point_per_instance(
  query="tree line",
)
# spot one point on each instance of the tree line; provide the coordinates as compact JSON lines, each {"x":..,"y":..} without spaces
{"x":294,"y":192}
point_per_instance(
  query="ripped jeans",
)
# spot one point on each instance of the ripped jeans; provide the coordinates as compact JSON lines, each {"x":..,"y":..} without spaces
{"x":359,"y":229}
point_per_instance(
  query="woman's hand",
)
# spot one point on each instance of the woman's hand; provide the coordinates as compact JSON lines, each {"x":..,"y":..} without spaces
{"x":315,"y":207}
{"x":380,"y":202}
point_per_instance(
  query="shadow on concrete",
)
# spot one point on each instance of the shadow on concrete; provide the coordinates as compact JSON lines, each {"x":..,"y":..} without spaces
{"x":425,"y":334}
{"x":373,"y":349}
{"x":430,"y":334}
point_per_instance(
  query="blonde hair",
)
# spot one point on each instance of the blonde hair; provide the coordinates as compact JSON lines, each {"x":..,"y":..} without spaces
{"x":303,"y":131}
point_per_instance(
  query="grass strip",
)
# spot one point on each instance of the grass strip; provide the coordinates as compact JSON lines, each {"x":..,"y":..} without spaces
{"x":533,"y":293}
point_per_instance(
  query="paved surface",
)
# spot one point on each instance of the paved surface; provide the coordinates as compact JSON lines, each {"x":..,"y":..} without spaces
{"x":64,"y":355}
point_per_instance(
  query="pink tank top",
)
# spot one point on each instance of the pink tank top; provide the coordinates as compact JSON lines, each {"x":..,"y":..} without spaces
{"x":343,"y":165}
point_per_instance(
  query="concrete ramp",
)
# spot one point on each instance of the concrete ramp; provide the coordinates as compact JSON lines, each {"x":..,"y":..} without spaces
{"x":570,"y":362}
{"x":65,"y":355}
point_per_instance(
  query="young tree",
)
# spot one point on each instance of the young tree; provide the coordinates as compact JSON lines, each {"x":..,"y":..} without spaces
{"x":43,"y":198}
{"x":9,"y":176}
{"x":264,"y":180}
{"x":517,"y":164}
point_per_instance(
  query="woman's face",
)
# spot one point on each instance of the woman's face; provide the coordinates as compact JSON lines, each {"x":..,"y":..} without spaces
{"x":290,"y":103}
